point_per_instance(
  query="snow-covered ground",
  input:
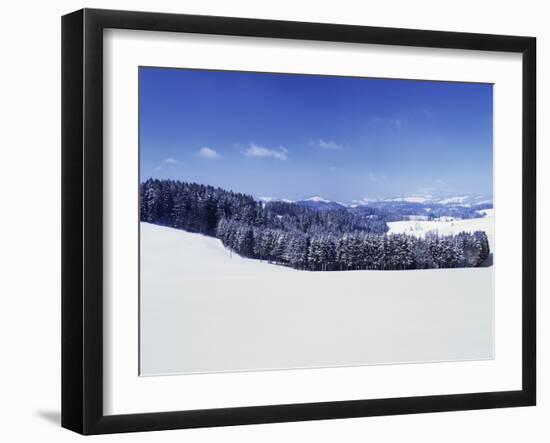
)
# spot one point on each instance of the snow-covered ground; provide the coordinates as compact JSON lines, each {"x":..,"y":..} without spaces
{"x":419,"y":228}
{"x":206,"y":310}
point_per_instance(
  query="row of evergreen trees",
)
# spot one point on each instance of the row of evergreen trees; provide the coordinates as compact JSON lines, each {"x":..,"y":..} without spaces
{"x":199,"y":208}
{"x":354,"y":251}
{"x":302,"y":237}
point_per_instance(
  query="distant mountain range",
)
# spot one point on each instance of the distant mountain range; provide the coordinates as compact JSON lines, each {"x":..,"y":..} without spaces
{"x":318,"y":202}
{"x":459,"y":200}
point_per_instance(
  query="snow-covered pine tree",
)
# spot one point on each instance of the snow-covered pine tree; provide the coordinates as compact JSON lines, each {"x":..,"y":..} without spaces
{"x":245,"y":241}
{"x":152,"y":203}
{"x":296,"y":253}
{"x":482,"y":242}
{"x":279,"y":247}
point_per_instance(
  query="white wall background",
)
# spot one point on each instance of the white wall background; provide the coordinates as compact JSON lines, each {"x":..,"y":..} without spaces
{"x":30,"y":219}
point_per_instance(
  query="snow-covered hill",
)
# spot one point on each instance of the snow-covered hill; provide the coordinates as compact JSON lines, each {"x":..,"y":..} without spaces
{"x":317,"y":199}
{"x":204,"y":309}
{"x":266,"y":199}
{"x":321,"y":203}
{"x":420,"y":228}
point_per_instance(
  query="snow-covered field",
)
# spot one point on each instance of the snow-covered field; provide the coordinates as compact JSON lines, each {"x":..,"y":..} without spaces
{"x":206,"y":310}
{"x":420,"y":228}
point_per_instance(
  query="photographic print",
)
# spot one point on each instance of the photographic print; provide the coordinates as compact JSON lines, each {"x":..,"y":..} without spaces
{"x":295,"y":221}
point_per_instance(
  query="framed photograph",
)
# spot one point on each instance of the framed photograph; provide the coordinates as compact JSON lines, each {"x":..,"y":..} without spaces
{"x":269,"y":221}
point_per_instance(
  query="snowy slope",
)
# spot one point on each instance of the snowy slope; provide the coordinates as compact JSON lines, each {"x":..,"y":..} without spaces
{"x":320,"y":203}
{"x":274,"y":199}
{"x":206,"y":310}
{"x":487,"y":212}
{"x":420,"y":228}
{"x":316,"y":198}
{"x":454,"y":200}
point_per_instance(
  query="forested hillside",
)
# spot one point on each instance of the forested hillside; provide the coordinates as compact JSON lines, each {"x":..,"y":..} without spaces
{"x":303,"y":237}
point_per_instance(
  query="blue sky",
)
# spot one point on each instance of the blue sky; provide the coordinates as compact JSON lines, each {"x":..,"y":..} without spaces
{"x":295,"y":136}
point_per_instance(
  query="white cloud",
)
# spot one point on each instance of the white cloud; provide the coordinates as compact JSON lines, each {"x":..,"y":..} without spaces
{"x":391,"y":122}
{"x":376,"y":177}
{"x":170,"y":161}
{"x":206,"y":152}
{"x":158,"y":168}
{"x":324,"y":144}
{"x":260,"y":151}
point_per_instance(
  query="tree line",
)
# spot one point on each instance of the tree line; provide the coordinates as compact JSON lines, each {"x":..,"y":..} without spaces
{"x":355,"y":250}
{"x":199,"y":208}
{"x":302,"y":237}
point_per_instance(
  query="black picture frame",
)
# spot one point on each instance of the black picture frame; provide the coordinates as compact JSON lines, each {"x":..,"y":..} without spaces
{"x":82,"y":218}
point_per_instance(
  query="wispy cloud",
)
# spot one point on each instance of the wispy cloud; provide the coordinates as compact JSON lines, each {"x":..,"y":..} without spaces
{"x":170,"y":161}
{"x":395,"y":123}
{"x":279,"y":153}
{"x":206,"y":152}
{"x":424,"y":112}
{"x":375,"y":177}
{"x":329,"y":144}
{"x":439,"y":181}
{"x":158,"y":168}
